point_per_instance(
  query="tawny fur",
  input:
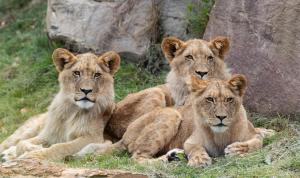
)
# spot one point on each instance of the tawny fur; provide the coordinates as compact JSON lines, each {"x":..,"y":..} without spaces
{"x":28,"y":130}
{"x":79,"y":112}
{"x":175,"y":90}
{"x":192,"y":126}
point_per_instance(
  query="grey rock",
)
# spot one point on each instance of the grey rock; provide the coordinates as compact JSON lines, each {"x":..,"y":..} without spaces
{"x":265,"y":39}
{"x":173,"y":18}
{"x":126,"y":26}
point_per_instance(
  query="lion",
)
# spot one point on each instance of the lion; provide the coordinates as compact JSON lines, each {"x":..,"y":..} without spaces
{"x":204,"y":59}
{"x":220,"y":122}
{"x":79,"y":112}
{"x":212,"y":122}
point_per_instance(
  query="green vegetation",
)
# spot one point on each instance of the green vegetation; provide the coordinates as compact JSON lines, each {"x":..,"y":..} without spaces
{"x":28,"y":83}
{"x":198,"y":15}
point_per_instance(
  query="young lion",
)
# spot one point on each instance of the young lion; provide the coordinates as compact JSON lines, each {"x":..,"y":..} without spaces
{"x":204,"y":59}
{"x":212,"y":119}
{"x":79,"y":112}
{"x":220,"y":122}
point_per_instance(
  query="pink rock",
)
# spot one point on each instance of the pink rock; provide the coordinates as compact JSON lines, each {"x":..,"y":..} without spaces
{"x":265,"y":38}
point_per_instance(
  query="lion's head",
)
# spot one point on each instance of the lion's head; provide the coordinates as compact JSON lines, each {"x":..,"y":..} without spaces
{"x":205,"y":59}
{"x":86,"y":78}
{"x":216,"y":102}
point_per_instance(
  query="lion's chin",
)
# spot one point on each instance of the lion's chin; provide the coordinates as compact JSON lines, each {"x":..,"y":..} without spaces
{"x":219,"y":129}
{"x":85,"y":104}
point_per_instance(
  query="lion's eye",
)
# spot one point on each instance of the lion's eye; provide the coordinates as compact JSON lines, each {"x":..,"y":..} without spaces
{"x":97,"y":75}
{"x":210,"y":99}
{"x":76,"y":73}
{"x":189,"y":57}
{"x":229,"y":100}
{"x":210,"y":58}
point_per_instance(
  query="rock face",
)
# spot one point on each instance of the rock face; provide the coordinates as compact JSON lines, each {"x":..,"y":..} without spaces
{"x":265,"y":39}
{"x":173,"y":18}
{"x":126,"y":26}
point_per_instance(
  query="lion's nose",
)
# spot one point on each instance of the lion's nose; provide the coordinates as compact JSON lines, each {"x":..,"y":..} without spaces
{"x":86,"y":91}
{"x":201,"y":73}
{"x":221,"y":117}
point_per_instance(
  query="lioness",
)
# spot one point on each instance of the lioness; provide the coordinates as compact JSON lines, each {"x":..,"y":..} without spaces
{"x":204,"y":59}
{"x":220,"y":122}
{"x":79,"y":112}
{"x":212,"y":122}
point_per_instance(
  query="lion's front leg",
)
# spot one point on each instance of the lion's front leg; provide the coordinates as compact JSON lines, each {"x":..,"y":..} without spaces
{"x":265,"y":133}
{"x":61,"y":150}
{"x":197,"y":156}
{"x":29,"y":145}
{"x":91,"y":148}
{"x":241,"y":148}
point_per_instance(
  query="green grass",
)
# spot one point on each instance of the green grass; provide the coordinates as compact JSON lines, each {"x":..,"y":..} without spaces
{"x":28,"y":81}
{"x":198,"y":16}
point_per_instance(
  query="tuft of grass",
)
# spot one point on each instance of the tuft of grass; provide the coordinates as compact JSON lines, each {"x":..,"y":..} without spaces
{"x":198,"y":16}
{"x":277,"y":123}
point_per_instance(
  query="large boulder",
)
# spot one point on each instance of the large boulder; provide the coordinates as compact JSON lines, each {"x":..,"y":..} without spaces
{"x":173,"y":21}
{"x":265,"y":37}
{"x":126,"y":26}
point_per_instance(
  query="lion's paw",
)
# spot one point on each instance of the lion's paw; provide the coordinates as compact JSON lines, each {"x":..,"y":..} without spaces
{"x":8,"y":154}
{"x":89,"y":149}
{"x":237,"y":148}
{"x":92,"y":148}
{"x":175,"y":155}
{"x":23,"y":147}
{"x":202,"y":161}
{"x":265,"y":133}
{"x":38,"y":154}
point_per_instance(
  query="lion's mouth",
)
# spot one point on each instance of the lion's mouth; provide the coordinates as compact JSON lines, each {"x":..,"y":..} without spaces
{"x":86,"y":99}
{"x":85,"y":103}
{"x":220,"y":125}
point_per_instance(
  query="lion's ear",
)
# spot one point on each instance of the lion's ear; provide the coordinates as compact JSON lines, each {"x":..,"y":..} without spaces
{"x":62,"y":59}
{"x":220,"y":45}
{"x":238,"y":84}
{"x":170,"y":46}
{"x":111,"y":60}
{"x":197,"y":85}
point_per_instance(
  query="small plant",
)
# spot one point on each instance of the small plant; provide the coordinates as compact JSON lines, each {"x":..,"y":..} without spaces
{"x":198,"y":15}
{"x":154,"y":61}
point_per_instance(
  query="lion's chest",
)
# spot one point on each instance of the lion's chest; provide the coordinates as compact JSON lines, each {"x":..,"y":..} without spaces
{"x":68,"y":129}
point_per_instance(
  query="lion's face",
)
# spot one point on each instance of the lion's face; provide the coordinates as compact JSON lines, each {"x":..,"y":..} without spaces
{"x":216,"y":102}
{"x":196,"y":57}
{"x":86,"y":77}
